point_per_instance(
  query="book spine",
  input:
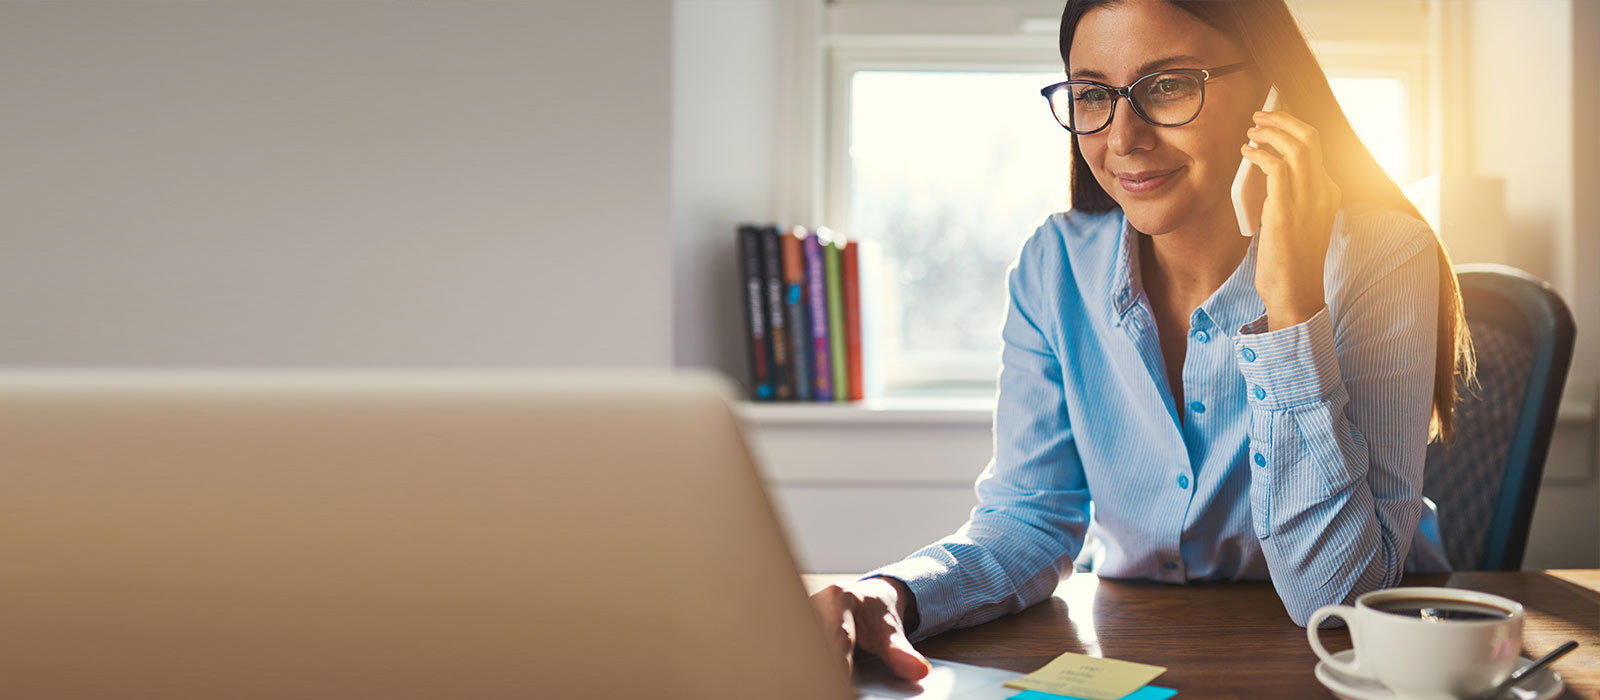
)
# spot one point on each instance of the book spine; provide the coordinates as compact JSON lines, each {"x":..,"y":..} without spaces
{"x":836,"y":340}
{"x":852,"y":317}
{"x":869,"y":270}
{"x":817,"y":304}
{"x":755,"y":315}
{"x":794,"y":303}
{"x":777,"y":335}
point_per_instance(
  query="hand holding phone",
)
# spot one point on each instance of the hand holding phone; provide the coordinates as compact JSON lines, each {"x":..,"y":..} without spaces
{"x":1250,"y":184}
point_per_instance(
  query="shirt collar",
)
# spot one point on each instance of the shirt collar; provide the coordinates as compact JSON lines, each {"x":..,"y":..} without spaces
{"x":1121,"y":290}
{"x":1231,"y":306}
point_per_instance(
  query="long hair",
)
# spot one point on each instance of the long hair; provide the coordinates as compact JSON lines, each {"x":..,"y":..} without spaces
{"x":1272,"y":39}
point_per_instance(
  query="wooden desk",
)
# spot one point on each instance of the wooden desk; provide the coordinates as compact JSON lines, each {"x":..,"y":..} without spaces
{"x":1234,"y":640}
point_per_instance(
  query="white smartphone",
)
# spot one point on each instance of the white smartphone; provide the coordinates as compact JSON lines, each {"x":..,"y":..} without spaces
{"x":1250,"y":184}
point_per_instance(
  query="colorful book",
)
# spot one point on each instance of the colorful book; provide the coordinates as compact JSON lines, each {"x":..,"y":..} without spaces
{"x":850,"y":258}
{"x":873,"y":289}
{"x":817,"y":305}
{"x":777,"y":336}
{"x":755,"y":311}
{"x":794,"y":304}
{"x":836,"y":340}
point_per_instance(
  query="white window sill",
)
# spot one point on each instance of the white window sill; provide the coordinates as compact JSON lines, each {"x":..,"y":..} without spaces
{"x":901,"y":412}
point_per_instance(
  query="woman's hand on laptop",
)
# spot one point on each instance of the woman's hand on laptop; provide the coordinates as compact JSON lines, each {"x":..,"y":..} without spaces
{"x":871,"y":616}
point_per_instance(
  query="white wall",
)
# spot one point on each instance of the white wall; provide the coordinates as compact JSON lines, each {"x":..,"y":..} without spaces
{"x":1544,"y":150}
{"x":1586,"y":212}
{"x":332,"y":183}
{"x":724,"y":107}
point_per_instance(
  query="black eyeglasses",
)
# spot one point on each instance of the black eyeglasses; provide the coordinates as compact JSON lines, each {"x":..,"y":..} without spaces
{"x":1164,"y":98}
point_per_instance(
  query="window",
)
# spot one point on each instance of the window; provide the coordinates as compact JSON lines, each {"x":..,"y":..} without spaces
{"x":949,"y":171}
{"x":1378,"y":109}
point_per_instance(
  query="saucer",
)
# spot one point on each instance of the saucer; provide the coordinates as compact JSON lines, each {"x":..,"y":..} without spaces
{"x":1543,"y":685}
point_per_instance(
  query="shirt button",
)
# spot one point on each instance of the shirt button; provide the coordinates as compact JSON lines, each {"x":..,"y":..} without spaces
{"x":1260,"y":461}
{"x":1201,"y":336}
{"x":1183,"y":481}
{"x":1261,"y":393}
{"x":1169,"y":565}
{"x":1249,"y":355}
{"x":1197,"y":407}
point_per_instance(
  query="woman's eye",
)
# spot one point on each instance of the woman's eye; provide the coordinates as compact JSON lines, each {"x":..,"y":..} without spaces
{"x":1093,"y":97}
{"x":1170,"y":88}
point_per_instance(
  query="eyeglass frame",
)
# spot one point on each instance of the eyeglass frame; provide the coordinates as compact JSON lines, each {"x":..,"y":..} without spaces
{"x":1126,"y":92}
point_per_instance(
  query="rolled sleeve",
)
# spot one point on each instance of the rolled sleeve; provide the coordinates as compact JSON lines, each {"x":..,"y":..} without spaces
{"x":931,"y":583}
{"x":1338,"y":434}
{"x":1288,"y":367}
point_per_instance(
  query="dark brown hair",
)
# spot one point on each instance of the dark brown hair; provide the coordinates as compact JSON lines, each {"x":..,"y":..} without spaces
{"x":1271,"y":38}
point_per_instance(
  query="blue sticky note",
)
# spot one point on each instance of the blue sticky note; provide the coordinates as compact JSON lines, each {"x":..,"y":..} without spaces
{"x":1149,"y":692}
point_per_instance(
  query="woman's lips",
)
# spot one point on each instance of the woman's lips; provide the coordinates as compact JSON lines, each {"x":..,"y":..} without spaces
{"x":1145,"y":180}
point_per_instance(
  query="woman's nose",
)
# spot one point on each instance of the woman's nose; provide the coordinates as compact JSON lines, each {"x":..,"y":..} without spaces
{"x":1127,"y":132}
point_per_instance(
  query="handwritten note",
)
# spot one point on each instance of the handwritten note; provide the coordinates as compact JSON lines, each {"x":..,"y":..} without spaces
{"x":1088,"y":677}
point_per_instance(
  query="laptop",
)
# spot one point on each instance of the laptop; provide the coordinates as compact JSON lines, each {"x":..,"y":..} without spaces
{"x":318,"y":534}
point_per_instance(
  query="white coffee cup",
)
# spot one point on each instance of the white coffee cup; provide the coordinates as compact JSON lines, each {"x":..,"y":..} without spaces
{"x":1420,"y":657}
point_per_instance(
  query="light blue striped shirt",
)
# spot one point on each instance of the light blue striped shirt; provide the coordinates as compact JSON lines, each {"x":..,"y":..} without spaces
{"x":1299,"y":456}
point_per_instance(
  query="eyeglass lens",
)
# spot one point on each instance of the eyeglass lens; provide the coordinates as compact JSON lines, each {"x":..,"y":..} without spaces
{"x":1167,"y":99}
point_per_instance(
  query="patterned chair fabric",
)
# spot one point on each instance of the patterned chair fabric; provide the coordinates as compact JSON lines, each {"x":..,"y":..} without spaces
{"x":1463,"y":480}
{"x":1486,"y":481}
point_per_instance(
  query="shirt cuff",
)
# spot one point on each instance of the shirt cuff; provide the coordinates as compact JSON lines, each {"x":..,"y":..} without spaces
{"x":932,"y":583}
{"x":1288,"y":367}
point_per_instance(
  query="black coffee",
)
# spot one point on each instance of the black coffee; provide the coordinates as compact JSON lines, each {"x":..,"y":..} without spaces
{"x":1441,"y":610}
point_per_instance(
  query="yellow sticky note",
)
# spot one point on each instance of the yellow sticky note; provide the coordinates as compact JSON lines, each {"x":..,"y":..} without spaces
{"x":1088,"y":677}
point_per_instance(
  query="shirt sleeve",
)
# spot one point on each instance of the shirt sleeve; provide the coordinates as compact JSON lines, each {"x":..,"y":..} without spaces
{"x":1033,"y":499}
{"x":1339,"y":410}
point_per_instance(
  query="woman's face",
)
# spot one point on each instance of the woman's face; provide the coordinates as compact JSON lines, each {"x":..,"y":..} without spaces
{"x":1194,"y":163}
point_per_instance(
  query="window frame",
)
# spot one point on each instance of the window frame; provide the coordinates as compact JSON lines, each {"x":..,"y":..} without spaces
{"x":1407,"y":63}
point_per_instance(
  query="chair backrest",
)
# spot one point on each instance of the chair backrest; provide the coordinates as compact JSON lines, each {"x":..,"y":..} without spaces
{"x":1486,"y":480}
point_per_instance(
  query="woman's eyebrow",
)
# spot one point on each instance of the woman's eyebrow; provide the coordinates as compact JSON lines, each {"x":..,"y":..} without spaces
{"x":1145,"y":69}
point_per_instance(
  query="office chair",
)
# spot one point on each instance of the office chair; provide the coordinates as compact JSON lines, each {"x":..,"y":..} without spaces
{"x":1486,"y":480}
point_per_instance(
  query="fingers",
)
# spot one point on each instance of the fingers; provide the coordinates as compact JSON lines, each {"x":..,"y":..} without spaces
{"x":847,"y":637}
{"x":1295,"y":171}
{"x":904,"y":659}
{"x":1287,"y":147}
{"x":1276,"y":168}
{"x":836,"y":607}
{"x":1291,"y":124}
{"x":881,"y":632}
{"x":1296,"y":140}
{"x":1269,"y":163}
{"x":860,"y":620}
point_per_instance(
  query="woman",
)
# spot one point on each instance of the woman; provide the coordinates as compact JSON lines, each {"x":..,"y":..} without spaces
{"x":1233,"y":407}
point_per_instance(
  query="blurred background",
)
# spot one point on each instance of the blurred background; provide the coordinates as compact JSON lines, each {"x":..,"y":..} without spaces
{"x":556,"y":183}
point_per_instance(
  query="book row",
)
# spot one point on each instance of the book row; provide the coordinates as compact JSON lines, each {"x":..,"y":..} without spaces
{"x":802,"y":303}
